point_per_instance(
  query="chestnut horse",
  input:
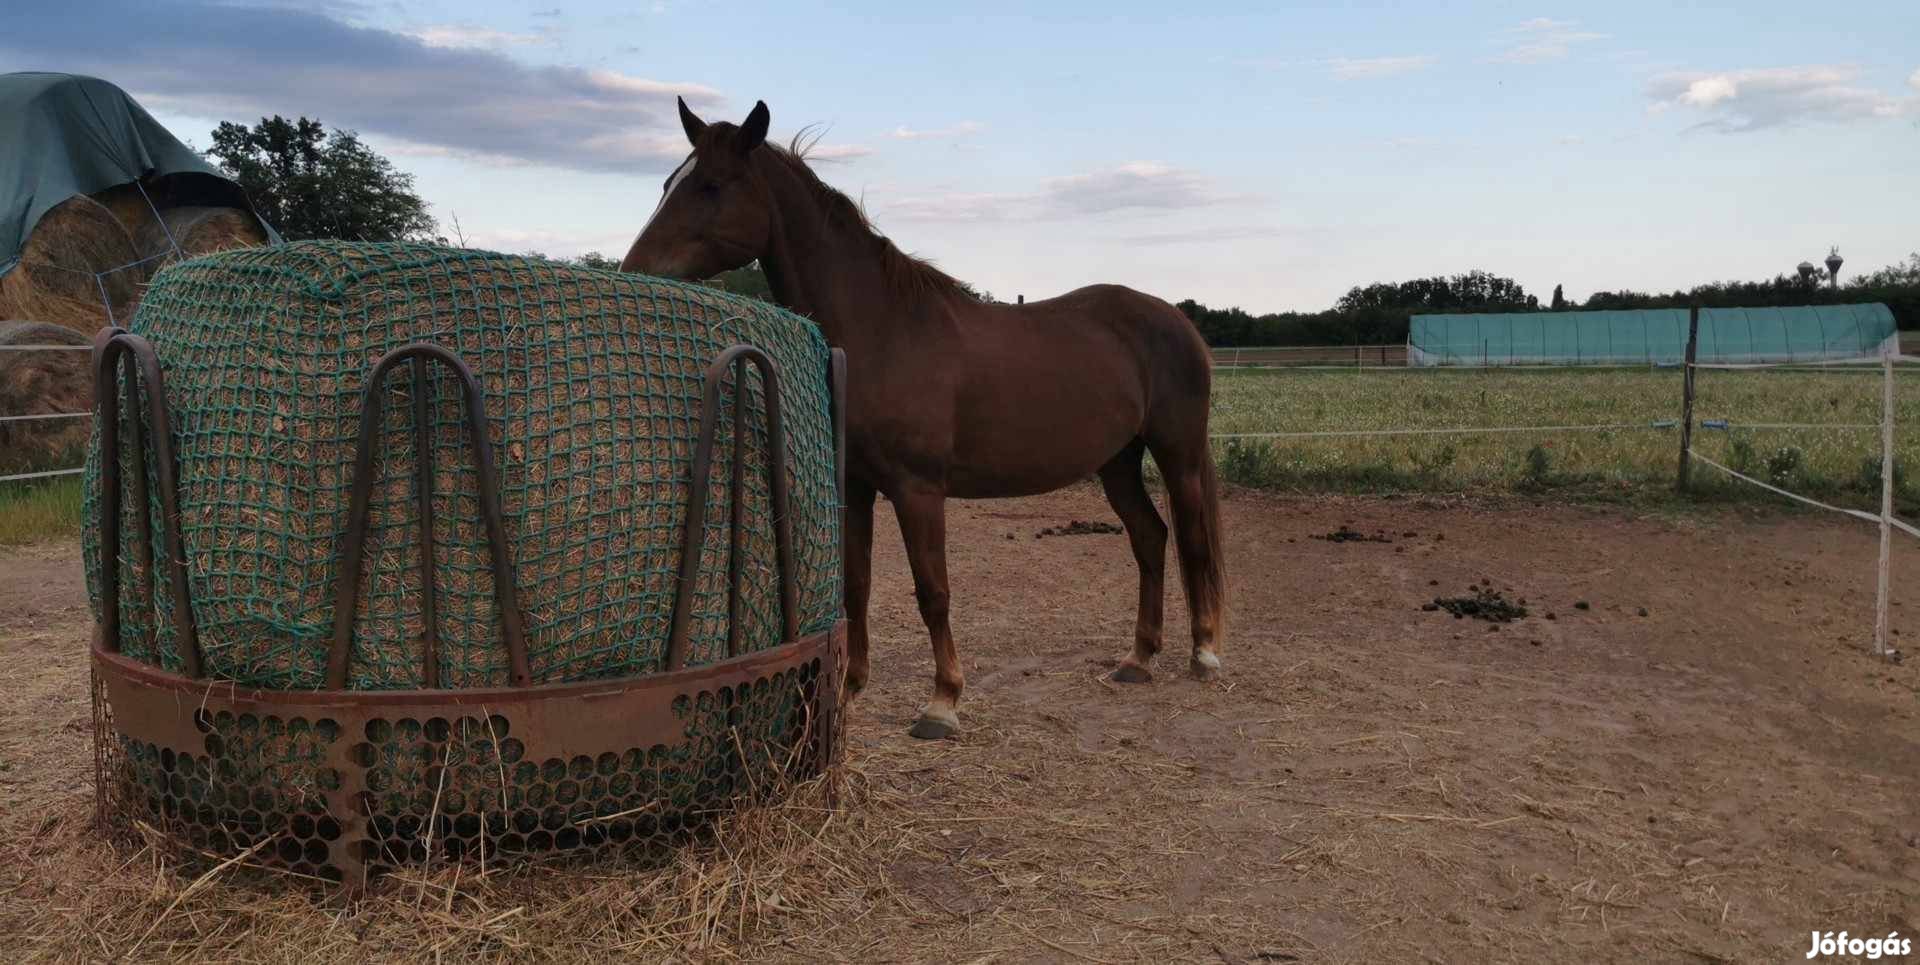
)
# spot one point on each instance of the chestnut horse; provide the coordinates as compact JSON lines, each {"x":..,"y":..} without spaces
{"x":950,"y":397}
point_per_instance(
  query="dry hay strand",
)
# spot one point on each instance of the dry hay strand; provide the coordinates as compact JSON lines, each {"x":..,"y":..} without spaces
{"x":78,"y":251}
{"x":742,"y":891}
{"x":42,"y":383}
{"x":198,"y":230}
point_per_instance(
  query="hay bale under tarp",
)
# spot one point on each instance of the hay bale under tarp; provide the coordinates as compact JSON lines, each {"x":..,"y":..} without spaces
{"x":592,"y":380}
{"x":199,"y":230}
{"x":131,"y":206}
{"x":43,"y":383}
{"x":55,"y":280}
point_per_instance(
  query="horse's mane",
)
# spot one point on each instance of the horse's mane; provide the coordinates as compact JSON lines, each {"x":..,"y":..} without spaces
{"x":909,"y":276}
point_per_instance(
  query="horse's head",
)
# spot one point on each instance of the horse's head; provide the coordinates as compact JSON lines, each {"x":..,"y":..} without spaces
{"x":715,"y":212}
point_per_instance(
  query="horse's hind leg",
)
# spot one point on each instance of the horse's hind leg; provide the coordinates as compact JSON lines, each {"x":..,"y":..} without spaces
{"x":923,"y":526}
{"x":1127,"y":492}
{"x":1192,"y":493}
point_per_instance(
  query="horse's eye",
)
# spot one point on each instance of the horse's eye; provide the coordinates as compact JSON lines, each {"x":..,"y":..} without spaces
{"x":710,"y":188}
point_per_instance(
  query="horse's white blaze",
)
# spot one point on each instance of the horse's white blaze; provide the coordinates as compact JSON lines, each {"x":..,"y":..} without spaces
{"x":679,"y":174}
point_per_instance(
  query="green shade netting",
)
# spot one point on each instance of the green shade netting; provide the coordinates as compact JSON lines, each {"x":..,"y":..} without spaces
{"x":1800,"y":334}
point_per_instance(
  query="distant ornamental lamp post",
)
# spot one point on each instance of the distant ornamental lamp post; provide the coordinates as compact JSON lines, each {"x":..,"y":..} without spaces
{"x":1806,"y":272}
{"x":1834,"y":261}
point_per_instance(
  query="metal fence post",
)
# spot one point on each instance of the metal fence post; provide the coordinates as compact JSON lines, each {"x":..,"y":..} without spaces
{"x":1686,"y":397}
{"x":1886,"y":505}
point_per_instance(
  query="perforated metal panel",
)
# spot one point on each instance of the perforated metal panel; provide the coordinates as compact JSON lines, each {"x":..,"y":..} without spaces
{"x":339,"y":785}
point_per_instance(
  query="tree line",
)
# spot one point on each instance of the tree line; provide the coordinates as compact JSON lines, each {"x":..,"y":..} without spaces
{"x":1379,"y":313}
{"x":312,"y":182}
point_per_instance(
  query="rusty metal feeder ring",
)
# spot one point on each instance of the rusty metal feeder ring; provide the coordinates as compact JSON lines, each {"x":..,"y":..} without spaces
{"x":340,"y":784}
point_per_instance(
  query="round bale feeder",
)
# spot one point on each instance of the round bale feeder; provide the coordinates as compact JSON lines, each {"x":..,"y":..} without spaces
{"x":404,"y":554}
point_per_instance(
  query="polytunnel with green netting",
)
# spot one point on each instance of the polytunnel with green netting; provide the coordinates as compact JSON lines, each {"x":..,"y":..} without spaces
{"x":1811,"y":333}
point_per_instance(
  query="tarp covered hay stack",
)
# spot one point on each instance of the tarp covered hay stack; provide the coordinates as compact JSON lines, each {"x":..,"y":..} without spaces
{"x":42,"y":383}
{"x":65,"y":138}
{"x":592,"y":382}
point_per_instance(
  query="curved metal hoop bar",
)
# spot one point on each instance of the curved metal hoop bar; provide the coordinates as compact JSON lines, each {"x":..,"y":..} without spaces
{"x":505,"y":589}
{"x":113,"y":345}
{"x":696,"y":521}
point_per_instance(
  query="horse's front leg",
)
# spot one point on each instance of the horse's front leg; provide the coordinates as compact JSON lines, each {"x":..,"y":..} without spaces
{"x":857,"y":571}
{"x":923,"y":526}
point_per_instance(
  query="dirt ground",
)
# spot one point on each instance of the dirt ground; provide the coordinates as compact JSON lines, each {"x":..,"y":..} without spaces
{"x":1702,"y":764}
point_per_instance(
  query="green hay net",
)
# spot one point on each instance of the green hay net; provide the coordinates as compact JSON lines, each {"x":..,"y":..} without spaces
{"x":592,"y":382}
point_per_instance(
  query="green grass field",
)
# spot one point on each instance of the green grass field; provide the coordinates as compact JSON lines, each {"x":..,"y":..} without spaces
{"x":1833,"y":464}
{"x":40,"y":510}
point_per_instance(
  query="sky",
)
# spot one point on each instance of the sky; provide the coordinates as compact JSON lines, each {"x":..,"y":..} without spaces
{"x":1264,"y":155}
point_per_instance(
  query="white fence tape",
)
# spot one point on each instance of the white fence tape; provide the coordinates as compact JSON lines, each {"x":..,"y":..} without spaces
{"x":43,"y":475}
{"x":46,"y":415}
{"x":1900,"y":525}
{"x":1874,"y":360}
{"x":1726,"y":425}
{"x":1435,"y":432}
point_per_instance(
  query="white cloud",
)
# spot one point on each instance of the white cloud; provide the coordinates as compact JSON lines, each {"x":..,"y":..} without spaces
{"x":1751,"y":100}
{"x":953,"y":207}
{"x":1133,"y":186}
{"x":961,"y":129}
{"x":1201,"y":236}
{"x":1913,"y":80}
{"x":1366,"y":68}
{"x":1540,"y":40}
{"x":457,"y":36}
{"x":1708,"y":91}
{"x":614,"y":82}
{"x":838,"y":152}
{"x":1343,"y":68}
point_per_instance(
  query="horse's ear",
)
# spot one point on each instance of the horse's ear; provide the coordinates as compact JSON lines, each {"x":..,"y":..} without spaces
{"x":694,"y":126}
{"x":754,"y":130}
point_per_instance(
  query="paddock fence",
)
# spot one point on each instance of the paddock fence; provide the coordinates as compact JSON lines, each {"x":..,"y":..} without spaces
{"x":1819,"y":432}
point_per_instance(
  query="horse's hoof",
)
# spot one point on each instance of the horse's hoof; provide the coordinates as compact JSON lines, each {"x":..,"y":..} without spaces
{"x":1131,"y":673}
{"x":933,"y":727}
{"x":1205,"y":665}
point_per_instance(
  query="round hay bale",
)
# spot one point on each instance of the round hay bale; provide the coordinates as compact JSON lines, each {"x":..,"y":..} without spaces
{"x":592,"y":382}
{"x":130,"y":206}
{"x":55,"y":280}
{"x":198,"y":231}
{"x":43,"y":383}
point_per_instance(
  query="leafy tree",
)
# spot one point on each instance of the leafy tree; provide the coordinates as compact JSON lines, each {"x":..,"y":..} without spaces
{"x":978,"y":294}
{"x":591,"y":259}
{"x":748,"y":280}
{"x":1379,"y":313}
{"x":309,"y":183}
{"x":1905,"y":273}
